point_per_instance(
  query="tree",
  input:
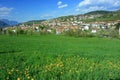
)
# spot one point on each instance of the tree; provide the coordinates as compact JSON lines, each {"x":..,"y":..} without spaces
{"x":41,"y":27}
{"x":0,"y":30}
{"x":118,"y":27}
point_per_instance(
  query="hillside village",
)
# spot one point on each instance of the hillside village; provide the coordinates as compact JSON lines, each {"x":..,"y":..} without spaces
{"x":92,"y":26}
{"x":73,"y":22}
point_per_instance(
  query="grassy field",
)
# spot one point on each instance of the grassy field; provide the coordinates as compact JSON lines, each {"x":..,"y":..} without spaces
{"x":50,"y":57}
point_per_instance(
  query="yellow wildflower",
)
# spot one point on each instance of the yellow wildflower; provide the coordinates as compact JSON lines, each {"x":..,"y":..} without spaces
{"x":32,"y":79}
{"x":18,"y":78}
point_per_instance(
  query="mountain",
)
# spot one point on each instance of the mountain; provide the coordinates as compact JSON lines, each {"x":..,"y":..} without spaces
{"x":93,"y":16}
{"x":104,"y":16}
{"x":10,"y":23}
{"x":3,"y":24}
{"x":98,"y":12}
{"x":99,"y":15}
{"x":33,"y":21}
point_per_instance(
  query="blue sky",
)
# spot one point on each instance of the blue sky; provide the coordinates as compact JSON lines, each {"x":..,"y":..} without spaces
{"x":25,"y":10}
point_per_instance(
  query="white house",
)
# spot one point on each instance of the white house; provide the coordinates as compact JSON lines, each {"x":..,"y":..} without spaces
{"x":85,"y":27}
{"x":93,"y":31}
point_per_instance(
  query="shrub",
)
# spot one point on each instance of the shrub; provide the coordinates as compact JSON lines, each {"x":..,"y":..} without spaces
{"x":79,"y":33}
{"x":0,"y":30}
{"x":10,"y":32}
{"x":69,"y":33}
{"x":29,"y":32}
{"x":43,"y":32}
{"x":54,"y":31}
{"x":20,"y":31}
{"x":108,"y":33}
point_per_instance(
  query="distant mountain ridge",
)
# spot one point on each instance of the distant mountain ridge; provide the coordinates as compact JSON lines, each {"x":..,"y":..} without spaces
{"x":33,"y":21}
{"x":3,"y":24}
{"x":9,"y":22}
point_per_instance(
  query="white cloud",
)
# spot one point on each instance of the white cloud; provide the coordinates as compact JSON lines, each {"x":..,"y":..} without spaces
{"x":83,"y":3}
{"x":63,"y":6}
{"x":59,"y":3}
{"x":4,"y":11}
{"x":117,"y":3}
{"x":90,"y":5}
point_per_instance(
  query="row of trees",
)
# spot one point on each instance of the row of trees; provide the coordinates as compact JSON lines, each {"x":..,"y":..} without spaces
{"x":18,"y":31}
{"x":103,"y":33}
{"x":112,"y":33}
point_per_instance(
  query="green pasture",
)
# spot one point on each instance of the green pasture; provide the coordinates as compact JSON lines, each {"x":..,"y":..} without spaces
{"x":56,"y":57}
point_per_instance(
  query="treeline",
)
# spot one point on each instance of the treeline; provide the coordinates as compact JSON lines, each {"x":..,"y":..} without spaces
{"x":109,"y":33}
{"x":103,"y":33}
{"x":18,"y":31}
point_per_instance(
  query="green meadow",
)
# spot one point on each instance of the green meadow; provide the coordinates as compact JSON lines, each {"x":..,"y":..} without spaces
{"x":56,"y":57}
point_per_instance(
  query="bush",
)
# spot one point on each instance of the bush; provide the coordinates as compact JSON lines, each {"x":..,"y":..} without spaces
{"x":29,"y":32}
{"x":20,"y":31}
{"x":54,"y":31}
{"x":44,"y":32}
{"x":69,"y":32}
{"x":114,"y":33}
{"x":108,"y":33}
{"x":0,"y":30}
{"x":79,"y":33}
{"x":10,"y":32}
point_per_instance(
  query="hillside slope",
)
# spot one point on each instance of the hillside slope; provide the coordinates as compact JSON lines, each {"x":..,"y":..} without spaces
{"x":93,"y":16}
